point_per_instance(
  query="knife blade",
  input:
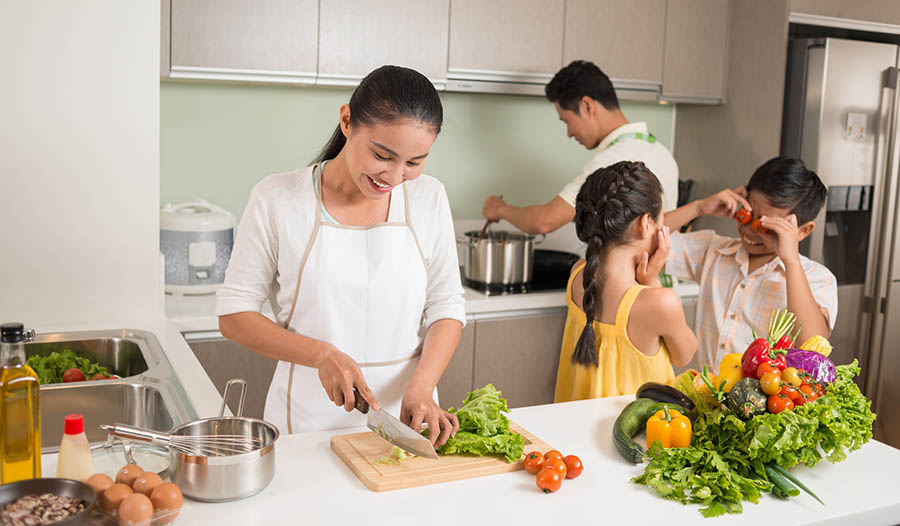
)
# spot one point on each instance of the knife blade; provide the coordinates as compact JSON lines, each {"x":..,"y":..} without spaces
{"x":390,"y":428}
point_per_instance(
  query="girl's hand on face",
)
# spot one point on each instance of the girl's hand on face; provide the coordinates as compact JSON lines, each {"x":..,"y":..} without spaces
{"x":649,"y":267}
{"x":725,"y":203}
{"x":783,"y":237}
{"x":339,"y":374}
{"x":419,"y":407}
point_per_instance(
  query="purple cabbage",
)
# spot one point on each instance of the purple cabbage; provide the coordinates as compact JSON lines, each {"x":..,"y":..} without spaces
{"x":820,"y":367}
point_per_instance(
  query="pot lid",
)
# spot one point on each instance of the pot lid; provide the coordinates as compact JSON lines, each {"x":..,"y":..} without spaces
{"x":195,"y":216}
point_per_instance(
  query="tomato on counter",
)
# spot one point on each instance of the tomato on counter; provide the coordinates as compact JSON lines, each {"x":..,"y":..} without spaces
{"x":534,"y":462}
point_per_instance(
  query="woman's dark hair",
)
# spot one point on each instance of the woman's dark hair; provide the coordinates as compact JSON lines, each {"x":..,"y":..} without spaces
{"x":385,"y":95}
{"x":609,"y":200}
{"x":787,"y":183}
{"x":581,"y":78}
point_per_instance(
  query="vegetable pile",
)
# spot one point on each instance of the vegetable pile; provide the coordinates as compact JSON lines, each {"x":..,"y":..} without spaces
{"x":66,"y":366}
{"x":483,"y":429}
{"x":789,"y":407}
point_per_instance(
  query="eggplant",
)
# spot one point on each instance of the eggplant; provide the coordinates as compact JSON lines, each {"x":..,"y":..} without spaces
{"x":665,"y":393}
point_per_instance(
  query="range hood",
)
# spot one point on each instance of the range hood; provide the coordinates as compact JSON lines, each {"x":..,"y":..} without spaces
{"x":511,"y":83}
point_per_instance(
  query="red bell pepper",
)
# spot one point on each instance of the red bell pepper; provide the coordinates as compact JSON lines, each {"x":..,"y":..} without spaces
{"x":771,"y":349}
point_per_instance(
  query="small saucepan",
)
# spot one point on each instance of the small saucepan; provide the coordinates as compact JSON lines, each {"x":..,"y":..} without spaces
{"x":216,"y":459}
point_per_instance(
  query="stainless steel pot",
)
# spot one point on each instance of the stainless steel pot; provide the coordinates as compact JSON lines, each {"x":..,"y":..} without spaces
{"x":499,"y":258}
{"x":223,"y":477}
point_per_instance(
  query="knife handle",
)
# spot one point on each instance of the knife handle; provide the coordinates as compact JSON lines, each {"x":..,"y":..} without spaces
{"x":359,"y":402}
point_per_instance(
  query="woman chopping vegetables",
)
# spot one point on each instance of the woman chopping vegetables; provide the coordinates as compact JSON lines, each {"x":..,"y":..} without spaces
{"x":357,"y":256}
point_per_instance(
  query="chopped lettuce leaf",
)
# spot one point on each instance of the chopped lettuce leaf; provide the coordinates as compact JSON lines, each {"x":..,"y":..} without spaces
{"x":510,"y":445}
{"x":396,"y":456}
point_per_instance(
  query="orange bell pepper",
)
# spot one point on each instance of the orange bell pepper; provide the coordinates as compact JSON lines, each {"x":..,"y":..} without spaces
{"x":670,"y":428}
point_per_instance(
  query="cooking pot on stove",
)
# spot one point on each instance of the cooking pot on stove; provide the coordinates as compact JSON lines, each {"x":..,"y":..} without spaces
{"x":499,"y":258}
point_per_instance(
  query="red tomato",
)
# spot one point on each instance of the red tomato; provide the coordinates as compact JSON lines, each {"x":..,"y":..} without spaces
{"x":99,"y":376}
{"x":556,"y":465}
{"x":534,"y":462}
{"x":549,"y":480}
{"x":553,"y":454}
{"x":73,"y":375}
{"x":809,"y":391}
{"x":778,"y":403}
{"x":742,"y":216}
{"x":767,"y":367}
{"x":791,"y":393}
{"x":819,"y":390}
{"x":757,"y":227}
{"x":574,"y":467}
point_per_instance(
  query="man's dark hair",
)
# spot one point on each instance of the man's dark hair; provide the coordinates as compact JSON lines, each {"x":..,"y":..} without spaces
{"x":581,"y":78}
{"x":787,"y":183}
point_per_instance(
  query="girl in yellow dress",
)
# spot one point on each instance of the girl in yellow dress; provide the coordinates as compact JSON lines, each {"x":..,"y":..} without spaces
{"x":623,"y":328}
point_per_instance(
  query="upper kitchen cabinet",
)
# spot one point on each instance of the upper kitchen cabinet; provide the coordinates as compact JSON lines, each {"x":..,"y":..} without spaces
{"x":357,"y":36}
{"x":623,"y":37}
{"x":249,"y":40}
{"x":506,"y":40}
{"x":696,"y":51}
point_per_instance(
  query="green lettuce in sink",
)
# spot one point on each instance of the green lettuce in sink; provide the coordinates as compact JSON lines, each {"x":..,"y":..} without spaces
{"x":50,"y":368}
{"x":483,"y":429}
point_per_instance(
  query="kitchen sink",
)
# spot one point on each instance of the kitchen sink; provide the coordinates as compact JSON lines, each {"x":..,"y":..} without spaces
{"x":148,"y":395}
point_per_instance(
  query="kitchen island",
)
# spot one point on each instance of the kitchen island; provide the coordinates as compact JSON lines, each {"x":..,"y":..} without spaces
{"x":312,"y":486}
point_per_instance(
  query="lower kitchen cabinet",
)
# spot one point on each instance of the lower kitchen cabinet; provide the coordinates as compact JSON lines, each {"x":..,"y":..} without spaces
{"x":456,"y":382}
{"x":520,"y":355}
{"x":223,"y":360}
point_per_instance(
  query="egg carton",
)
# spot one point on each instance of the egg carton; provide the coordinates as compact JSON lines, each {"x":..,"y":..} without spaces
{"x":100,"y":517}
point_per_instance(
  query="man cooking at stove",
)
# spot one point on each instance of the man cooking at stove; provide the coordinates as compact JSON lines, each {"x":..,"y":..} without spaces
{"x":586,"y":101}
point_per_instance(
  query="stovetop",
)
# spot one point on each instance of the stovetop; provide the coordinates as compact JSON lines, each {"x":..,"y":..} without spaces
{"x":536,"y":285}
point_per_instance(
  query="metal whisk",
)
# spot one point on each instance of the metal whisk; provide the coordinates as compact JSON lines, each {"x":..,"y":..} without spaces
{"x":194,"y":445}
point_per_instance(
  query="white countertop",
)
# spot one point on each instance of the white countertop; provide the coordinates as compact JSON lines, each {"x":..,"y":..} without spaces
{"x":313,"y":486}
{"x":197,"y":313}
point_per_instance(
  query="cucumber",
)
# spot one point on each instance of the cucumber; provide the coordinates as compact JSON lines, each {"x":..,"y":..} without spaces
{"x":630,"y":421}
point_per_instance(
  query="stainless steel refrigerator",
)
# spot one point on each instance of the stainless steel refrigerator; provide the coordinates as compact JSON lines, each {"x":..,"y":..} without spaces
{"x":841,"y":117}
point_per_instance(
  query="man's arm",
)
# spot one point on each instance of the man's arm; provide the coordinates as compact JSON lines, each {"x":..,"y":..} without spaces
{"x":536,"y":219}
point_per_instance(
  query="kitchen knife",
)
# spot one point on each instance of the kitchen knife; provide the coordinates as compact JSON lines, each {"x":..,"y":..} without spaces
{"x":390,"y":428}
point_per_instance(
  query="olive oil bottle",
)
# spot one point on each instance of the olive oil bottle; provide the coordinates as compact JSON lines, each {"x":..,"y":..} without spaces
{"x":20,"y":411}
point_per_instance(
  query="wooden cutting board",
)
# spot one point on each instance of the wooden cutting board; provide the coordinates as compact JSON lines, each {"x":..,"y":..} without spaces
{"x":361,"y":451}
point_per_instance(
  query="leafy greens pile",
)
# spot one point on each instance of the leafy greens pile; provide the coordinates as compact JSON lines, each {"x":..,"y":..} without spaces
{"x":483,"y":429}
{"x":50,"y":368}
{"x":725,"y":463}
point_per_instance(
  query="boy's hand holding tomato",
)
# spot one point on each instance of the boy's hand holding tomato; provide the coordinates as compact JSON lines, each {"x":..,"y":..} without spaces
{"x":724,"y":203}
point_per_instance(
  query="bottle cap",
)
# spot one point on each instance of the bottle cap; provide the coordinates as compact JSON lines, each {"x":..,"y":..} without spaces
{"x":12,"y":332}
{"x":74,"y":424}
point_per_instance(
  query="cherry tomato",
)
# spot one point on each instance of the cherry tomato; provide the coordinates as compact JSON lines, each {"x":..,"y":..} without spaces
{"x":778,"y":403}
{"x":791,"y":376}
{"x":574,"y":467}
{"x":809,"y":391}
{"x":791,"y":393}
{"x":820,"y":390}
{"x":743,"y":216}
{"x":73,"y":375}
{"x":556,"y":465}
{"x":757,"y":227}
{"x":553,"y":454}
{"x":770,"y":384}
{"x":767,"y":367}
{"x":534,"y":462}
{"x":549,"y":480}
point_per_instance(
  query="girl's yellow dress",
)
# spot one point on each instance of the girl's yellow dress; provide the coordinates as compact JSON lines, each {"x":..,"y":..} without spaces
{"x":622,"y":367}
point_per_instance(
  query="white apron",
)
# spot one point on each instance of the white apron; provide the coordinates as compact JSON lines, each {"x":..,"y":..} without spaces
{"x":361,"y":289}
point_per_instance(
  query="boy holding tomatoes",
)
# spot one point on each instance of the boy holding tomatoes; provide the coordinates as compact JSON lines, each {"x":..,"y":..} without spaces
{"x":743,"y":280}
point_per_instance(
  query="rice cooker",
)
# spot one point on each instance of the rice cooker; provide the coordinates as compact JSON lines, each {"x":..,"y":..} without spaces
{"x":196,"y":239}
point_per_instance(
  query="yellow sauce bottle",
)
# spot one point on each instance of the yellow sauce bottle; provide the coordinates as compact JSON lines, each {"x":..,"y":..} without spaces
{"x":20,"y":411}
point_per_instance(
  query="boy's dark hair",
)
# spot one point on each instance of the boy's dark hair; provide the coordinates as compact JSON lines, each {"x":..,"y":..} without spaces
{"x":788,"y":183}
{"x":386,"y":94}
{"x":609,"y":200}
{"x":581,"y":78}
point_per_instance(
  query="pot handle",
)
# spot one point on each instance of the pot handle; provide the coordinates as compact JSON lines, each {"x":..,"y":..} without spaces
{"x":465,"y":241}
{"x":243,"y":384}
{"x":541,"y":240}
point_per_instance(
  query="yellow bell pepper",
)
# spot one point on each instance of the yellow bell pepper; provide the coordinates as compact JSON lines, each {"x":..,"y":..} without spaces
{"x":818,"y":344}
{"x":730,"y":370}
{"x":670,"y":428}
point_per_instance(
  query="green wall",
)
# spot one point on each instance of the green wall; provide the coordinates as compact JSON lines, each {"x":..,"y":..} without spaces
{"x":218,"y":140}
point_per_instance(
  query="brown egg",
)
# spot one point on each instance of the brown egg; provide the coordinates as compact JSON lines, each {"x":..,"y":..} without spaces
{"x":100,"y":482}
{"x":127,"y":474}
{"x":113,"y":496}
{"x":135,"y":509}
{"x":146,"y":483}
{"x":167,"y":497}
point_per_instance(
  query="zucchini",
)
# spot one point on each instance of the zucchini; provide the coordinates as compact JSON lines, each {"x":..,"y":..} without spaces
{"x":630,"y":421}
{"x":666,"y":393}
